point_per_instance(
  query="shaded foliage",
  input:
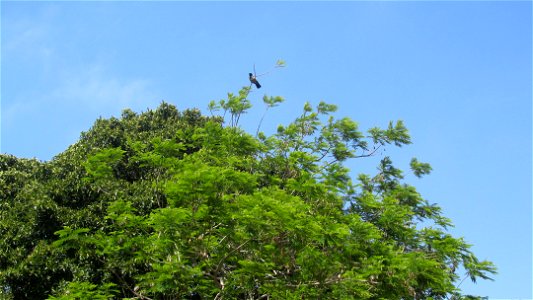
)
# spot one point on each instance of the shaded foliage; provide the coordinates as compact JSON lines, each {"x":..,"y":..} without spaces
{"x":174,"y":205}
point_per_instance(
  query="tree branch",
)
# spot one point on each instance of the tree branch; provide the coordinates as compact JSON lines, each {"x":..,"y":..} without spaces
{"x":227,"y":255}
{"x":369,"y":154}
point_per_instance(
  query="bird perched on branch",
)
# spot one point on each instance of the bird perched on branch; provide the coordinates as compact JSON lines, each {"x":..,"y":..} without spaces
{"x":254,"y":80}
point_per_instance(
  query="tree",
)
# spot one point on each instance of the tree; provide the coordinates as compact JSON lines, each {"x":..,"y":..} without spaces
{"x":175,"y":205}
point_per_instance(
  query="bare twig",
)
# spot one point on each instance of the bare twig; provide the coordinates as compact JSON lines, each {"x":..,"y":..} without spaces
{"x":369,"y":154}
{"x":279,"y":64}
{"x":466,"y":276}
{"x":261,"y":121}
{"x":227,"y":255}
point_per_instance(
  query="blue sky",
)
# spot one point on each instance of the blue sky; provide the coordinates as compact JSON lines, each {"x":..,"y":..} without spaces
{"x":459,"y":74}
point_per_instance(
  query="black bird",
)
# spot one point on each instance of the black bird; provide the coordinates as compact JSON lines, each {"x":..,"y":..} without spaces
{"x":254,"y":80}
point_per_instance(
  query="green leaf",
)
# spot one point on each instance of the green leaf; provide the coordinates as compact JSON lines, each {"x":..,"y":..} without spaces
{"x":420,"y":168}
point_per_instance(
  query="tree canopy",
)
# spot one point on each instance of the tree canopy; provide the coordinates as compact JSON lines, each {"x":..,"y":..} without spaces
{"x":170,"y":204}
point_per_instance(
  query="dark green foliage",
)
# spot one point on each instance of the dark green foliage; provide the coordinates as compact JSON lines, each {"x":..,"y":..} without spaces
{"x":175,"y":205}
{"x":419,"y":168}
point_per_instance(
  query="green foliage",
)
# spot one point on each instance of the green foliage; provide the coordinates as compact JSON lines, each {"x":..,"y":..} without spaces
{"x":100,"y":165}
{"x":86,"y":290}
{"x":236,"y":105}
{"x":174,"y":205}
{"x":419,"y":168}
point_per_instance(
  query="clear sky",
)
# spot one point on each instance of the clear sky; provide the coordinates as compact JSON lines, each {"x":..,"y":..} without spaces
{"x":459,"y":74}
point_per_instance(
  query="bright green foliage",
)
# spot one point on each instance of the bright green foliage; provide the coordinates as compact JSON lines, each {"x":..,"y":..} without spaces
{"x":236,"y":105}
{"x":419,"y":168}
{"x":174,"y":205}
{"x":86,"y":290}
{"x":100,"y":165}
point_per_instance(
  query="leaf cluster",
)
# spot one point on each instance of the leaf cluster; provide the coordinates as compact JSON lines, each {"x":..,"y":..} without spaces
{"x":174,"y":205}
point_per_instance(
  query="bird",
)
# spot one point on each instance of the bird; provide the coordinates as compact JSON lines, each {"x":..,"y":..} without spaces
{"x":254,"y":80}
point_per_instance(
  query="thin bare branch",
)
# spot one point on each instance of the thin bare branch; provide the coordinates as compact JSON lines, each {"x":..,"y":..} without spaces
{"x":231,"y":252}
{"x":279,"y":64}
{"x":270,"y":71}
{"x":369,"y":154}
